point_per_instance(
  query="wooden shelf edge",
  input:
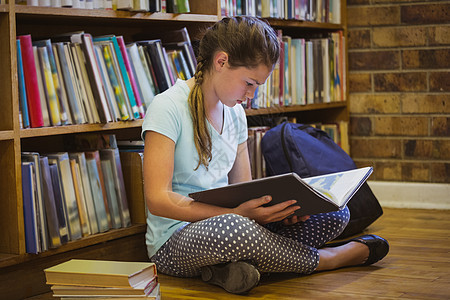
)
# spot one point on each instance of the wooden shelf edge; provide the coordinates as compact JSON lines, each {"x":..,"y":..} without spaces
{"x":67,"y":129}
{"x":4,"y":8}
{"x":6,"y":135}
{"x":11,"y":259}
{"x":291,"y":23}
{"x":116,"y":14}
{"x":294,"y":108}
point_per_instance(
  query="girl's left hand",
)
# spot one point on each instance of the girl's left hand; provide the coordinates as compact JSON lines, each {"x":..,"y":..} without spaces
{"x":295,"y":219}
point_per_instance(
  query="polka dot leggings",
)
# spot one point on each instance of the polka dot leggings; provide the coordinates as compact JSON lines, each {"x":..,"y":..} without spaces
{"x":270,"y":248}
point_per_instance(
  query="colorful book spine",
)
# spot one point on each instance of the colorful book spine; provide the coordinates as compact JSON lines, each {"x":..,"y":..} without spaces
{"x":115,"y":83}
{"x":123,"y":71}
{"x":22,"y":90}
{"x":52,"y":98}
{"x":63,"y":110}
{"x":134,"y":86}
{"x":31,"y":83}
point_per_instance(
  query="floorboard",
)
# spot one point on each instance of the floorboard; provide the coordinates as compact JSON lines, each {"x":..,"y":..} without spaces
{"x":417,"y":267}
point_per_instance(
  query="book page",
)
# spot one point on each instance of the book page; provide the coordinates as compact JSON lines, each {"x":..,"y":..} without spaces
{"x":339,"y":186}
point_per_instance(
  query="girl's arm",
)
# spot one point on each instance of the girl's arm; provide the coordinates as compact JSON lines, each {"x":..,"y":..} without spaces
{"x":158,"y":171}
{"x":241,"y":170}
{"x":162,"y":201}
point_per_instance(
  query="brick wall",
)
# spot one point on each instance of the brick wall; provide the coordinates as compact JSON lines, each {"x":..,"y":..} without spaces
{"x":399,"y":83}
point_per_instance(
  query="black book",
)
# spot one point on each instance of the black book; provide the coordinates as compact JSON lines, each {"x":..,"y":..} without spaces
{"x":158,"y":62}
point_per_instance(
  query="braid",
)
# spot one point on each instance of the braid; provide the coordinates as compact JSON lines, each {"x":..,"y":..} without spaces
{"x":202,"y":136}
{"x":249,"y":42}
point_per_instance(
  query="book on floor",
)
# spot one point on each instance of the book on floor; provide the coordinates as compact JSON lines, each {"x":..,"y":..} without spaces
{"x":101,"y":273}
{"x":318,"y":194}
{"x":144,"y":289}
{"x":155,"y":294}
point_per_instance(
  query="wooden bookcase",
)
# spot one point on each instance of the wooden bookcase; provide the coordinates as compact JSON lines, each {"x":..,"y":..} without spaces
{"x":126,"y":243}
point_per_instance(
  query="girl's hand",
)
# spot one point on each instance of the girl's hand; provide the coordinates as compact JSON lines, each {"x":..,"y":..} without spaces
{"x":295,"y":219}
{"x":255,"y":210}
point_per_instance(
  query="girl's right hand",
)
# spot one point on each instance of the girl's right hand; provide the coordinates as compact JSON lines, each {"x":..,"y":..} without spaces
{"x":255,"y":210}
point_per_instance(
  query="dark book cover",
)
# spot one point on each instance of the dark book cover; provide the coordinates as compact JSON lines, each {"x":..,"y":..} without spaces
{"x":319,"y":194}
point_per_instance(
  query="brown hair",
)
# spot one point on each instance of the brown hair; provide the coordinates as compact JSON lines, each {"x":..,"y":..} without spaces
{"x":249,"y":42}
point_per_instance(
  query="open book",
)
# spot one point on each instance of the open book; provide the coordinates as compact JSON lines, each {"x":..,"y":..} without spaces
{"x":318,"y":194}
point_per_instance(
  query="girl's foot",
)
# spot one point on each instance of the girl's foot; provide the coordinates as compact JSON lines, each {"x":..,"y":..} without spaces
{"x":235,"y":277}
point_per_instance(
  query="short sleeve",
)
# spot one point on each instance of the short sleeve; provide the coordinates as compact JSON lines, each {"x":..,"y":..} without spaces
{"x":162,"y":116}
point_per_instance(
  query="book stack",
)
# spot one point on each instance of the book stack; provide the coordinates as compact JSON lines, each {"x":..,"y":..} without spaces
{"x":101,"y":279}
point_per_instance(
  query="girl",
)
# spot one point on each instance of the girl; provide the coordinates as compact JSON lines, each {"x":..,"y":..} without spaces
{"x":195,"y":138}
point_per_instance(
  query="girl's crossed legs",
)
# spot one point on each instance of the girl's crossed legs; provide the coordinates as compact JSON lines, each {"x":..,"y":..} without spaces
{"x":230,"y":238}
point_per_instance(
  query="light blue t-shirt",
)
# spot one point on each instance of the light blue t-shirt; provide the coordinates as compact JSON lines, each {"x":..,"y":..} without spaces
{"x":169,"y":115}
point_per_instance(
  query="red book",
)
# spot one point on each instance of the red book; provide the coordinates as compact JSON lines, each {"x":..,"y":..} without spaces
{"x":31,"y":83}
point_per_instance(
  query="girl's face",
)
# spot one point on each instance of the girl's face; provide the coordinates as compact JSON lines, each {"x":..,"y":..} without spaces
{"x":235,"y":85}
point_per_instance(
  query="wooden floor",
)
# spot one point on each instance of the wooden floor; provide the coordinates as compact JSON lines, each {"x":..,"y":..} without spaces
{"x":417,"y":267}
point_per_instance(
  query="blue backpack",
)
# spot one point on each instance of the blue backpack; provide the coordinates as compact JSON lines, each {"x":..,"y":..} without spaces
{"x":308,"y":152}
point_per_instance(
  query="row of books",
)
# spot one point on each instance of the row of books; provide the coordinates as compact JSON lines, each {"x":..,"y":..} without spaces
{"x":325,"y":11}
{"x":309,"y":71}
{"x":69,"y":195}
{"x":103,"y":279}
{"x":75,"y":78}
{"x":338,"y":132}
{"x":165,"y":6}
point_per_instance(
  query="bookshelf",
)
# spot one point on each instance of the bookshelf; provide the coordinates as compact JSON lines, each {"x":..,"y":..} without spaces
{"x":46,"y":21}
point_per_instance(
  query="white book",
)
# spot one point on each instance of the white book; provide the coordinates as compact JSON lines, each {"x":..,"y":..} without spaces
{"x":141,"y":5}
{"x":144,"y":81}
{"x":125,"y":4}
{"x":45,"y":3}
{"x":66,"y":3}
{"x":107,"y":4}
{"x":78,"y":4}
{"x":89,"y":4}
{"x":97,"y":4}
{"x":55,"y":3}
